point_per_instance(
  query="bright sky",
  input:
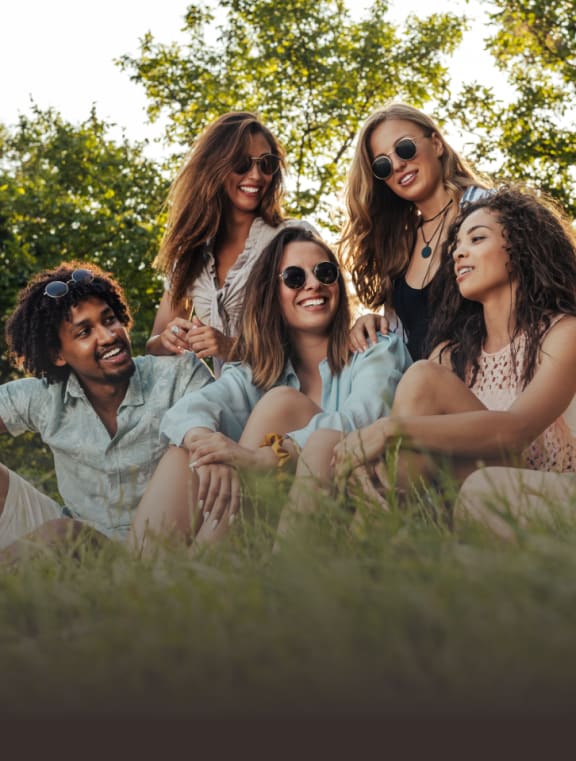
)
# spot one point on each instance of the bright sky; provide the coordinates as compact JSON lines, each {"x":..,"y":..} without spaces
{"x":60,"y":53}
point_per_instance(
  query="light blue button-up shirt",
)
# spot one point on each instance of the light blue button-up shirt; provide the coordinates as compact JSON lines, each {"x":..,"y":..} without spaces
{"x":102,"y":479}
{"x":358,"y":396}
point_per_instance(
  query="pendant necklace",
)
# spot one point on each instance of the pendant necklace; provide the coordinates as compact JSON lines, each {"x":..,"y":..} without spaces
{"x":427,"y":248}
{"x":426,"y":279}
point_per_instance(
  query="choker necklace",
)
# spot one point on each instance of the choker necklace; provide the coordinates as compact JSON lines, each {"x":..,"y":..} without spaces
{"x":427,"y":248}
{"x":431,"y":219}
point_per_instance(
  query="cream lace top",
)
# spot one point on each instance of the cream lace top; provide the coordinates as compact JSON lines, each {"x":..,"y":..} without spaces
{"x":497,"y":386}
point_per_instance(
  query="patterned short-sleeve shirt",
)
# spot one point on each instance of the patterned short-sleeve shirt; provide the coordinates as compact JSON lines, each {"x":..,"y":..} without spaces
{"x":101,"y":478}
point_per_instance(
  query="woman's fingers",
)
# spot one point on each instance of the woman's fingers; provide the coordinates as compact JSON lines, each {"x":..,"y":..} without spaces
{"x":174,"y":335}
{"x":218,"y":492}
{"x":363,"y":478}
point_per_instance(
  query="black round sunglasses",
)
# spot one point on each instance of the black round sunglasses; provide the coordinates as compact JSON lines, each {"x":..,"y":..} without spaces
{"x":294,"y":277}
{"x":58,"y":288}
{"x":382,"y":166}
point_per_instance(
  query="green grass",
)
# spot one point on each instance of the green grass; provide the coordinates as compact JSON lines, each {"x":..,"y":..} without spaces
{"x":405,"y":617}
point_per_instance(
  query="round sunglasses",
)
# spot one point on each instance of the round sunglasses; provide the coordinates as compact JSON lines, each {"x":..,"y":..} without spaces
{"x":382,"y":166}
{"x":294,"y":277}
{"x":268,"y":164}
{"x":58,"y":288}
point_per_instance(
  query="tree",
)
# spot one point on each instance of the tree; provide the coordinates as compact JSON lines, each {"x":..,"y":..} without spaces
{"x":70,"y":192}
{"x":535,"y":133}
{"x":310,"y":71}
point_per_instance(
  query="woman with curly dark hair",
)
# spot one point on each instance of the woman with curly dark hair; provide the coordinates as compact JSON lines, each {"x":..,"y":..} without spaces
{"x":223,"y":208}
{"x":501,"y":376}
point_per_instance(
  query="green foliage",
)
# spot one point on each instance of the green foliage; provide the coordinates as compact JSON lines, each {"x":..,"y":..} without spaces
{"x":310,"y":71}
{"x":70,"y":192}
{"x":533,"y":137}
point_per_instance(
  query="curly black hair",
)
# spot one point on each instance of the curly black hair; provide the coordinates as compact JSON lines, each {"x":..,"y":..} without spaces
{"x":541,"y":245}
{"x":32,"y":331}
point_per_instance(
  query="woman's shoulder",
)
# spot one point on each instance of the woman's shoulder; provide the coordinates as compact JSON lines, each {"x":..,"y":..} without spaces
{"x":299,"y":223}
{"x":475,"y":193}
{"x":561,"y":326}
{"x":386,"y":344}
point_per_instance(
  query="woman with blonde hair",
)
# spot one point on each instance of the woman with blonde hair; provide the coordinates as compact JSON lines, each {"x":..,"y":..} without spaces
{"x":404,"y":189}
{"x":223,"y":208}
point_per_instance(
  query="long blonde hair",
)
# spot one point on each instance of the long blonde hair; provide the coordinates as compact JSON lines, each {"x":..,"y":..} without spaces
{"x":264,"y":339}
{"x":196,"y":200}
{"x":380,"y":227}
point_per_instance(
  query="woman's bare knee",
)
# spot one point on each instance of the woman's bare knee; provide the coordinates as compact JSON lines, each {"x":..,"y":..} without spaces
{"x":282,"y":409}
{"x":428,"y":388}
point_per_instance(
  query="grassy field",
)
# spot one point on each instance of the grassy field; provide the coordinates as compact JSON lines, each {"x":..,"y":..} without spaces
{"x":405,"y":617}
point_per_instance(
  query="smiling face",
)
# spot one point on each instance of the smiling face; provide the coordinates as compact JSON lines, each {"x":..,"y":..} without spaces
{"x":95,"y":345}
{"x":481,"y":259}
{"x":246,"y":191}
{"x":310,"y":309}
{"x":416,"y":179}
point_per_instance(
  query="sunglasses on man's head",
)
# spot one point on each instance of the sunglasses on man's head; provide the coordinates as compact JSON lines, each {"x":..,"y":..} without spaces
{"x":382,"y":166}
{"x":58,"y":288}
{"x":295,"y":277}
{"x":268,"y":164}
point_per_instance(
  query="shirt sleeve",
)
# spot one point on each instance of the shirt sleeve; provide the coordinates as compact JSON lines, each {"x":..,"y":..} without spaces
{"x":223,"y":405}
{"x":17,"y":410}
{"x":365,"y":391}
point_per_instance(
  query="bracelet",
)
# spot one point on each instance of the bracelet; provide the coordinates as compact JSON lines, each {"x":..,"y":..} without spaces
{"x":275,"y":441}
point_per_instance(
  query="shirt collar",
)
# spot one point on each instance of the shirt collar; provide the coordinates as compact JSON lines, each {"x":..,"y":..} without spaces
{"x":134,"y":393}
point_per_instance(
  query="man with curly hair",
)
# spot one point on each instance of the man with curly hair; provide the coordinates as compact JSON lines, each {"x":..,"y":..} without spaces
{"x":91,"y":402}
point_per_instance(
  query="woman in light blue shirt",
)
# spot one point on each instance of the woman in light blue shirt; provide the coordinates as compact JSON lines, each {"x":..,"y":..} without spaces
{"x":293,"y":382}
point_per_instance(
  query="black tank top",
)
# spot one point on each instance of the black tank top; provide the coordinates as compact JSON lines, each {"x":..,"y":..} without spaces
{"x":412,"y":305}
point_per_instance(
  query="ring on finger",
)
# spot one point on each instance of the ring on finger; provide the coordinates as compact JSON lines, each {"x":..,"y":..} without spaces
{"x":175,"y":330}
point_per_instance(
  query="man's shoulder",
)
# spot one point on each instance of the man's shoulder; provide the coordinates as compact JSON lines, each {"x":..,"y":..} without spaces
{"x":30,"y":387}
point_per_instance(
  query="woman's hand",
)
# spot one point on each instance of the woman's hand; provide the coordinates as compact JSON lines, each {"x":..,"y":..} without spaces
{"x":361,"y":447}
{"x":209,"y":448}
{"x":371,"y":482}
{"x":364,"y":330}
{"x":173,"y":337}
{"x":219,"y":494}
{"x":206,"y":341}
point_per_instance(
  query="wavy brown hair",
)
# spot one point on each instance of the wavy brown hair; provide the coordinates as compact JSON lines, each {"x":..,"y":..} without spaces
{"x":264,"y":339}
{"x":380,"y":228}
{"x":541,"y":245}
{"x":196,"y":201}
{"x":33,"y":329}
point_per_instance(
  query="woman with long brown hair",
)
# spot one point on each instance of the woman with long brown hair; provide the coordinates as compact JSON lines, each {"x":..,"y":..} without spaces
{"x":223,"y":208}
{"x":403,"y":190}
{"x":293,"y":376}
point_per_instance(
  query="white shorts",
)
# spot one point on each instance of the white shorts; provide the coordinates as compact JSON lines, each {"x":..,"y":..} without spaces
{"x":25,"y":510}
